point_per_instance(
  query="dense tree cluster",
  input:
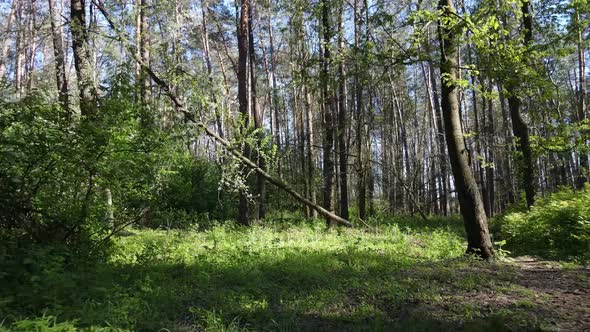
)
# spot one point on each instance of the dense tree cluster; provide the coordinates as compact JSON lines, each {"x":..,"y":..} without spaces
{"x":356,"y":108}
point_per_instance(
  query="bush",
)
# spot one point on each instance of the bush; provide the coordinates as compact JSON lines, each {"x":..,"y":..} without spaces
{"x":56,"y":170}
{"x":556,"y":227}
{"x":189,"y":194}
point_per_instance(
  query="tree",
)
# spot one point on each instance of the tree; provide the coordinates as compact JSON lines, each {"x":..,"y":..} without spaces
{"x":5,"y":43}
{"x":519,"y":126}
{"x":342,"y":119}
{"x":472,"y":208}
{"x":258,"y":115}
{"x":82,"y":60}
{"x":582,"y":116}
{"x":142,"y":35}
{"x":360,"y":118}
{"x":243,"y":97}
{"x":328,"y":108}
{"x":60,"y":56}
{"x":209,"y":64}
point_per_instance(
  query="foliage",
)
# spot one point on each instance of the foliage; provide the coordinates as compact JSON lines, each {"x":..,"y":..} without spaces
{"x":556,"y":227}
{"x":276,"y":276}
{"x":56,"y":173}
{"x":229,"y":278}
{"x":190,"y":190}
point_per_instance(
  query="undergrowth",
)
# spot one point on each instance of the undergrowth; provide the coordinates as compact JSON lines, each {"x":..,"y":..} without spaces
{"x":276,"y":276}
{"x":556,"y":227}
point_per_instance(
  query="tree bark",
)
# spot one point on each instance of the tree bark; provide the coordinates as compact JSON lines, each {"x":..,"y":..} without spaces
{"x":31,"y":45}
{"x":273,"y":76}
{"x":216,"y":110}
{"x":6,"y":41}
{"x":60,"y":56}
{"x":82,"y":60}
{"x":520,"y":128}
{"x":360,"y":119}
{"x":258,"y":115}
{"x":328,"y":119}
{"x":472,"y":209}
{"x":310,"y":178}
{"x":243,"y":98}
{"x":582,"y":116}
{"x":144,"y":79}
{"x":18,"y":58}
{"x":342,"y":115}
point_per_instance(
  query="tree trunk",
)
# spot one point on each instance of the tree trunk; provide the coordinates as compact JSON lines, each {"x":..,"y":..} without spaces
{"x":6,"y":41}
{"x":144,"y":79}
{"x":360,"y":119}
{"x":342,"y":115}
{"x":310,"y":154}
{"x":60,"y":56}
{"x":491,"y":171}
{"x":583,"y":172}
{"x":472,"y":209}
{"x":258,"y":114}
{"x":31,"y":47}
{"x":273,"y":76}
{"x":216,"y":110}
{"x":82,"y":61}
{"x":243,"y":98}
{"x":444,"y":178}
{"x":519,"y":127}
{"x":18,"y":58}
{"x":328,"y":119}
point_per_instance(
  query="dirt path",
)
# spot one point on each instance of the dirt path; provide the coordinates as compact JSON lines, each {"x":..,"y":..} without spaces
{"x":517,"y":295}
{"x":563,"y":293}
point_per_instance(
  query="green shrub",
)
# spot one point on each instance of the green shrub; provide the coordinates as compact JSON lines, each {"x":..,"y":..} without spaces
{"x":189,"y":194}
{"x":556,"y":227}
{"x":55,"y":171}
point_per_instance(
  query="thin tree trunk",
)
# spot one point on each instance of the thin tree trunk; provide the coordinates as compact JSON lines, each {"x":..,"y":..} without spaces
{"x":18,"y":59}
{"x":6,"y":42}
{"x":583,"y":173}
{"x":342,"y":116}
{"x":213,"y":95}
{"x":273,"y":76}
{"x":360,"y":119}
{"x":258,"y":113}
{"x":82,"y":61}
{"x":310,"y":154}
{"x":441,"y":143}
{"x":60,"y":56}
{"x":243,"y":97}
{"x":144,"y":79}
{"x":328,"y":121}
{"x":519,"y":127}
{"x":491,"y":169}
{"x":30,"y":50}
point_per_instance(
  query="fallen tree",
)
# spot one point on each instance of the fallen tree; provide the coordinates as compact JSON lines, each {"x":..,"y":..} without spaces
{"x":225,"y":143}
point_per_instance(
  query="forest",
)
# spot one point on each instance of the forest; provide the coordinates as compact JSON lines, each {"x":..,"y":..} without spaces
{"x":302,"y":165}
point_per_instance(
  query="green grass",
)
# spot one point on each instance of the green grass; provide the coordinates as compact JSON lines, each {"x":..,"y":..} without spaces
{"x":274,"y":277}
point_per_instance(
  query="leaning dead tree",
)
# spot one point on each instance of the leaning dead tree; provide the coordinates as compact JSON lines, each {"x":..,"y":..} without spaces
{"x":233,"y":150}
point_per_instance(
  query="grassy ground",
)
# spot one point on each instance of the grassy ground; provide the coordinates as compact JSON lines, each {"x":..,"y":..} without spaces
{"x":403,"y":276}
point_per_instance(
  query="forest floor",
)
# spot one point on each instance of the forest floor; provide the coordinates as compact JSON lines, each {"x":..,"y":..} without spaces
{"x":408,"y":277}
{"x":526,"y":293}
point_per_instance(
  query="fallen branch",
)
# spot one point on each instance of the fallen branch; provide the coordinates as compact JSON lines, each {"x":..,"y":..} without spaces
{"x":189,"y":116}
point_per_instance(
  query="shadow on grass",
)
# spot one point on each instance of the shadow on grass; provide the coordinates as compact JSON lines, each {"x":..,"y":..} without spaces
{"x":298,"y":290}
